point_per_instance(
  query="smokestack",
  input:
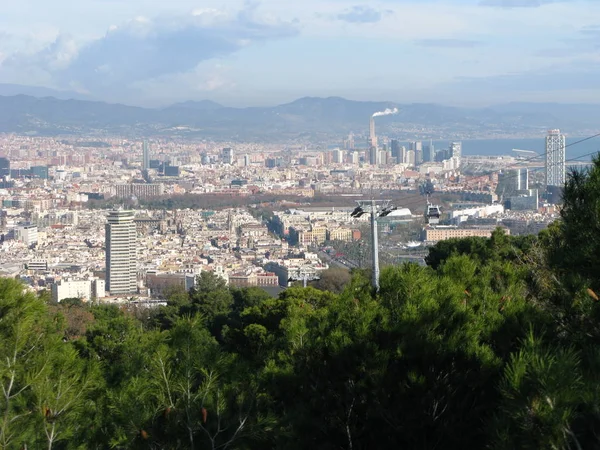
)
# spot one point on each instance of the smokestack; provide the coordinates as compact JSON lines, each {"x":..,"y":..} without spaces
{"x":387,"y":112}
{"x":372,"y":137}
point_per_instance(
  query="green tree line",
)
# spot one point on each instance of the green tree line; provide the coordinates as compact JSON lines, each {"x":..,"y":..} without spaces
{"x":493,"y":345}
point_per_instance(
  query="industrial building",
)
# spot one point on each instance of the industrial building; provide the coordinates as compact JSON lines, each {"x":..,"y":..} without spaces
{"x":445,"y":232}
{"x":139,"y":190}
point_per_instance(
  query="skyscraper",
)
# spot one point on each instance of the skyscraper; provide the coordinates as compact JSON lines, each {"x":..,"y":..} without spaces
{"x":146,"y":156}
{"x":121,"y":261}
{"x":419,"y":155}
{"x":522,"y":179}
{"x":339,"y":156}
{"x":4,"y":167}
{"x":349,"y":143}
{"x":227,"y":156}
{"x":396,"y":151}
{"x":373,"y":156}
{"x":382,"y":157}
{"x":372,"y":136}
{"x":456,"y":150}
{"x":429,"y":152}
{"x":417,"y":147}
{"x":555,"y":159}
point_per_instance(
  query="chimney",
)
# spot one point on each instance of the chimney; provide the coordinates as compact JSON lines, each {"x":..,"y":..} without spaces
{"x":372,"y":137}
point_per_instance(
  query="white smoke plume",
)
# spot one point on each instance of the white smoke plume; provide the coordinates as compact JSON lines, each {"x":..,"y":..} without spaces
{"x":387,"y":112}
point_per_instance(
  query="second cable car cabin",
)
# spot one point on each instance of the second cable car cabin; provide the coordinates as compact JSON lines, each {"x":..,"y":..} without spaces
{"x":432,"y":214}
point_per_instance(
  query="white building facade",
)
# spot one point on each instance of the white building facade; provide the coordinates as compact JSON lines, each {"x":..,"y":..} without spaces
{"x":555,"y":159}
{"x":86,"y":290}
{"x":121,"y":261}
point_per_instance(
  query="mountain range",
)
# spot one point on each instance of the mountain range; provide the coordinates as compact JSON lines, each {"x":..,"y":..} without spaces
{"x":305,"y":118}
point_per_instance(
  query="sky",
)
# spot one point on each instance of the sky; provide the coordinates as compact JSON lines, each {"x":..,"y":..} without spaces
{"x":247,"y":53}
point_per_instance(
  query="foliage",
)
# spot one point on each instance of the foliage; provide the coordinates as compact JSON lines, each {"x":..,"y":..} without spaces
{"x":498,"y":247}
{"x":333,"y":280}
{"x":576,"y":242}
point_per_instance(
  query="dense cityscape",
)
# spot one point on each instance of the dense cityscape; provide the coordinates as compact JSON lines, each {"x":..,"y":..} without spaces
{"x":120,"y":220}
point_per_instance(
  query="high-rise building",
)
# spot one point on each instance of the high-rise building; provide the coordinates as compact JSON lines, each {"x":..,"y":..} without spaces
{"x":373,"y":156}
{"x":338,"y":156}
{"x":121,"y":246}
{"x":455,"y":150}
{"x":271,"y":163}
{"x":4,"y":167}
{"x":419,"y":156}
{"x":417,"y":147}
{"x":396,"y":151}
{"x":429,"y":152}
{"x":522,"y":179}
{"x":410,"y":158}
{"x":440,"y":155}
{"x":227,"y":156}
{"x":382,"y":157}
{"x":247,"y":161}
{"x":349,"y":143}
{"x":146,"y":156}
{"x":555,"y":159}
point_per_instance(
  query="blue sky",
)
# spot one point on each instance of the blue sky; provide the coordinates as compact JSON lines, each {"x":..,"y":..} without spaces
{"x":154,"y":52}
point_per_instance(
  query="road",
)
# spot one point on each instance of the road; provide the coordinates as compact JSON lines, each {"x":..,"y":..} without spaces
{"x":343,"y":264}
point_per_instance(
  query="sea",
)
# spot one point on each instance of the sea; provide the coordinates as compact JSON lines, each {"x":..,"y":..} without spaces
{"x":582,"y":151}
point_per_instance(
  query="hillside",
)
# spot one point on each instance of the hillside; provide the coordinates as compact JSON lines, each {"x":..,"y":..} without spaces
{"x":309,"y":117}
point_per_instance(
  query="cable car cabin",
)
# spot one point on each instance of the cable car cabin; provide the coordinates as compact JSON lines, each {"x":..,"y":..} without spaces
{"x":432,"y":214}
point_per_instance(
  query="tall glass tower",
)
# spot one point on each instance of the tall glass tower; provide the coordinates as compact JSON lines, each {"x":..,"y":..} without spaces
{"x":522,"y":179}
{"x":555,"y":159}
{"x":121,"y":261}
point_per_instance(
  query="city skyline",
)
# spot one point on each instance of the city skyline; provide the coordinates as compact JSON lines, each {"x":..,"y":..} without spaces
{"x":197,"y":207}
{"x":266,"y":53}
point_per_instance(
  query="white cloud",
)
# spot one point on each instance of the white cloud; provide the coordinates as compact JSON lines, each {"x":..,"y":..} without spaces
{"x":147,"y":49}
{"x":174,"y":47}
{"x":205,"y":80}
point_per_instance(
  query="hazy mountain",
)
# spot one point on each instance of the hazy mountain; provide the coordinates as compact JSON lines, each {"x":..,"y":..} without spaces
{"x":22,"y":113}
{"x":584,"y":113}
{"x":38,"y":91}
{"x":202,"y":105}
{"x":306,"y":117}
